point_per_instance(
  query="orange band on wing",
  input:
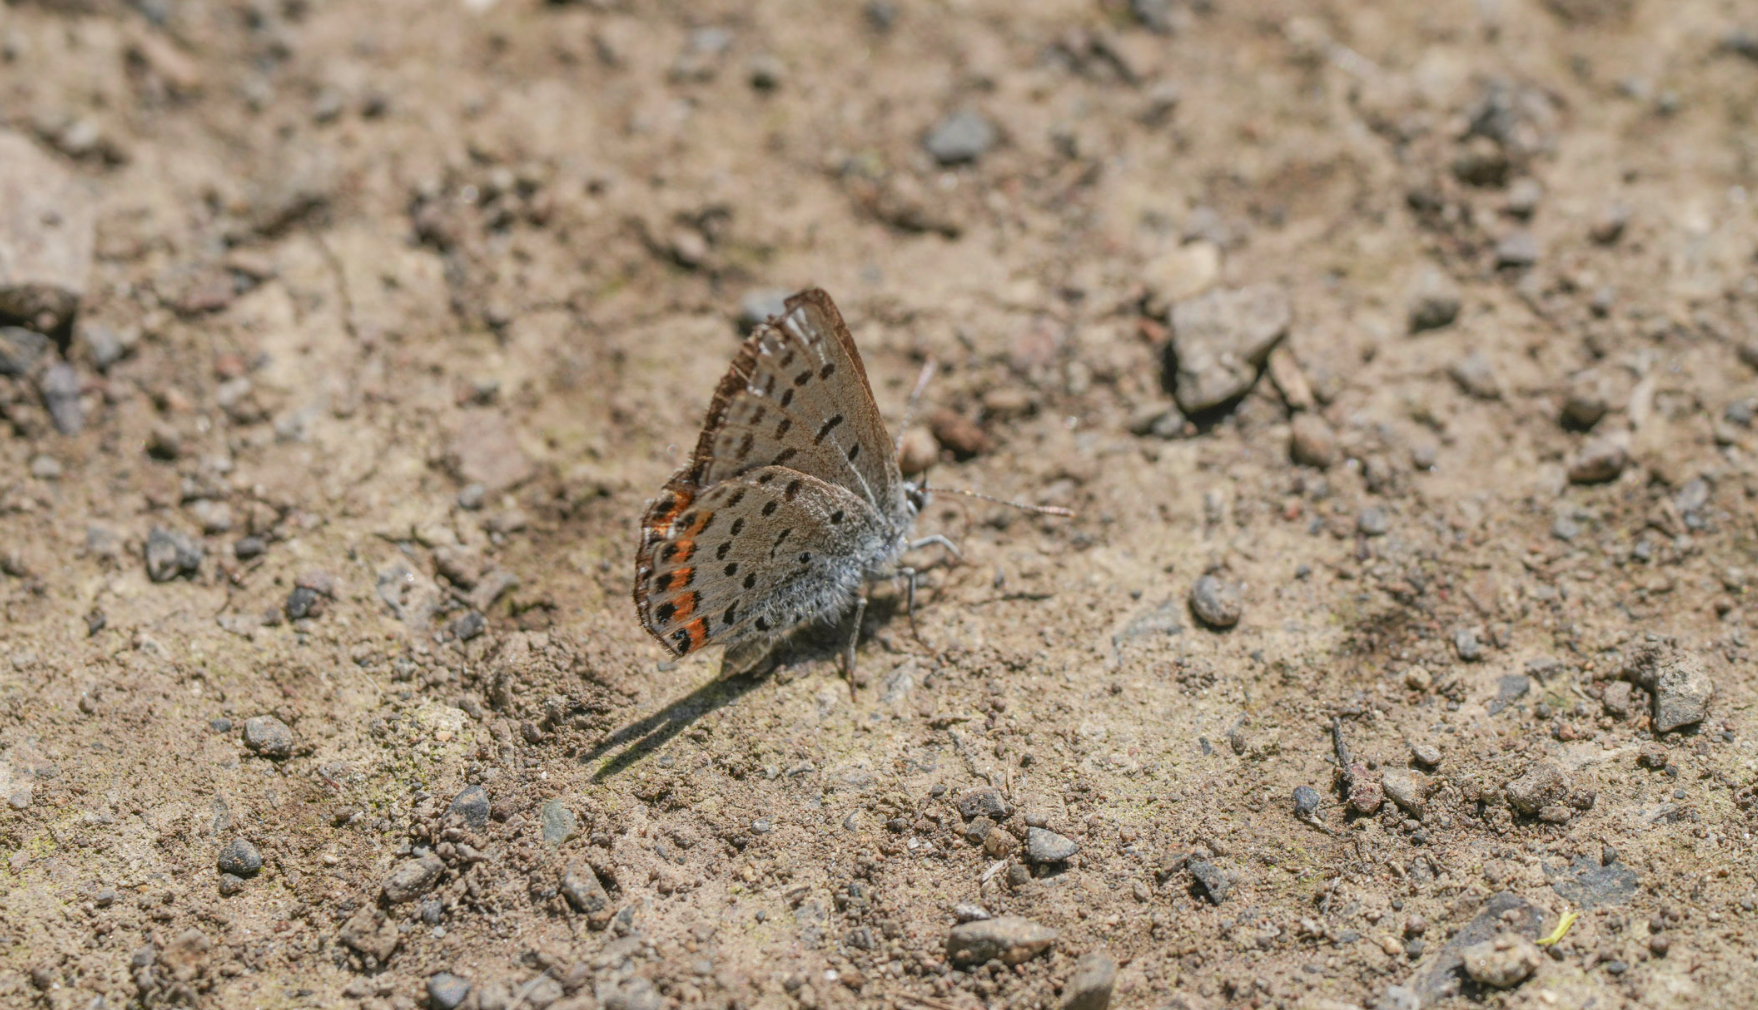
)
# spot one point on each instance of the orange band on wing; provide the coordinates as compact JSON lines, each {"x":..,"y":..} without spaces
{"x":698,"y":630}
{"x":679,"y":578}
{"x":684,"y":605}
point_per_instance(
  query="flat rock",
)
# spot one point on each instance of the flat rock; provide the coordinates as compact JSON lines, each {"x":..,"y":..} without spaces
{"x":170,"y":554}
{"x":1046,"y":846}
{"x":984,"y":802}
{"x":961,"y":137}
{"x":559,"y":823}
{"x":1210,"y":880}
{"x":471,"y":808}
{"x":1006,"y":938}
{"x":1434,"y":300}
{"x":1407,"y":788}
{"x":47,"y":236}
{"x":1600,"y":460}
{"x":586,"y":894}
{"x":1587,"y":884}
{"x":1221,"y":339}
{"x":486,"y":451}
{"x":1312,"y":441}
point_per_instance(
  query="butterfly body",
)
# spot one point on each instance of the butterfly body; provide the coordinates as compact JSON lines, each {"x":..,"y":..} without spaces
{"x":792,"y":502}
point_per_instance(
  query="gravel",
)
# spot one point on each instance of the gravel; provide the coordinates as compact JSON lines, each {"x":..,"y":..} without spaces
{"x":446,"y":991}
{"x":19,"y":350}
{"x":1089,"y":986}
{"x":470,"y":808}
{"x":984,"y":802}
{"x":170,"y":554}
{"x":1217,"y":602}
{"x":585,"y":893}
{"x":1600,"y":460}
{"x":1434,"y":301}
{"x":240,"y":859}
{"x":1516,"y":250}
{"x":60,"y":389}
{"x":558,"y":822}
{"x":1006,"y":938}
{"x":269,"y":737}
{"x":961,"y":137}
{"x":1408,"y":789}
{"x":1045,"y":846}
{"x":412,"y":878}
{"x":1475,"y":376}
{"x":1211,"y":882}
{"x":1503,"y":962}
{"x":1312,"y":441}
{"x":1220,"y":340}
{"x":1679,"y":682}
{"x":1306,"y":800}
{"x":1542,"y":785}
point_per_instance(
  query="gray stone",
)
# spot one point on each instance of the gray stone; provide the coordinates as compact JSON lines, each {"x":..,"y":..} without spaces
{"x":60,"y":389}
{"x":446,"y":991}
{"x":1007,"y":938}
{"x":1616,"y":699}
{"x":983,"y":802}
{"x":1216,"y":602}
{"x":1397,"y":997}
{"x":1465,"y":643}
{"x":1211,"y":882}
{"x":559,"y":823}
{"x":1598,"y":461}
{"x":961,"y":137}
{"x":268,"y":736}
{"x":1475,"y":376}
{"x":1426,"y":754}
{"x":170,"y":554}
{"x":586,"y":894}
{"x":1311,"y":441}
{"x":978,"y":829}
{"x":20,"y":349}
{"x":230,"y":884}
{"x":1373,"y":522}
{"x":966,"y":911}
{"x":1089,"y":987}
{"x":1503,"y":962}
{"x":1434,"y":301}
{"x":47,"y":236}
{"x":471,"y":808}
{"x":412,"y":878}
{"x":240,"y":859}
{"x":1306,"y":800}
{"x":1509,"y":689}
{"x":1543,"y":784}
{"x":1517,"y":249}
{"x":1679,"y":682}
{"x":1588,"y":399}
{"x":1221,"y":339}
{"x":105,"y":345}
{"x":1409,"y":789}
{"x":1045,"y":846}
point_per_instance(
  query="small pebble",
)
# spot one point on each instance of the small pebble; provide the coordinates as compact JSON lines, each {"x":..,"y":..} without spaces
{"x":1426,"y":754}
{"x":1306,"y":800}
{"x":1600,"y":460}
{"x":1518,"y":249}
{"x":1089,"y":986}
{"x":1434,"y":301}
{"x":1007,"y":938}
{"x":268,"y":736}
{"x":1475,"y":376}
{"x":470,"y":497}
{"x":1372,"y":522}
{"x":1210,"y":880}
{"x":1418,"y":679}
{"x":1503,"y":962}
{"x":1465,"y":643}
{"x":1045,"y":846}
{"x":230,"y":884}
{"x":961,"y":137}
{"x":1216,"y":602}
{"x":470,"y":808}
{"x":1311,"y":441}
{"x":446,"y":991}
{"x":240,"y":858}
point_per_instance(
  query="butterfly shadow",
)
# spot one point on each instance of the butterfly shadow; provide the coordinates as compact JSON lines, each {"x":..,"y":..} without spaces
{"x":639,"y":739}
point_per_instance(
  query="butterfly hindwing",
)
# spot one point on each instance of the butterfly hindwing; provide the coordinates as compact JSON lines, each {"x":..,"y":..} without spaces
{"x":752,"y":557}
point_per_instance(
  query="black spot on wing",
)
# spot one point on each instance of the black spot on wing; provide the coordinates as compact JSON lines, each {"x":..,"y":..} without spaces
{"x":662,"y":613}
{"x":803,"y":378}
{"x":784,"y":455}
{"x":732,"y":569}
{"x":720,"y":552}
{"x":750,"y":580}
{"x":737,"y":525}
{"x":793,"y":488}
{"x":826,"y":429}
{"x":828,"y":370}
{"x":853,"y":451}
{"x":836,"y":517}
{"x":769,"y":508}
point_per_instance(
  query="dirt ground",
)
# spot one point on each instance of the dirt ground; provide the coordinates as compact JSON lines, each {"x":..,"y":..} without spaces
{"x":323,"y":685}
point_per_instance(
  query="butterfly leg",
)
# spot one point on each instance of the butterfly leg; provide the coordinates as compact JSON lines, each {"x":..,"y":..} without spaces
{"x":854,"y":639}
{"x":939,"y":540}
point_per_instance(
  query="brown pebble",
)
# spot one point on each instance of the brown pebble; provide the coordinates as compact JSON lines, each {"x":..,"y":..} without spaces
{"x":958,"y":434}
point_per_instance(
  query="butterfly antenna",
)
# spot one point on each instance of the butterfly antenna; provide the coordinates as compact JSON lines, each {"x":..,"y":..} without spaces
{"x":909,"y":409}
{"x":1048,"y":510}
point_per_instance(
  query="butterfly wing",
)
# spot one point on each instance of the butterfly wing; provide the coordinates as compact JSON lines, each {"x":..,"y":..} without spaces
{"x":797,"y":396}
{"x":753,"y":557}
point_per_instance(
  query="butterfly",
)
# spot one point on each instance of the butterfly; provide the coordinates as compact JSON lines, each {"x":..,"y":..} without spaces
{"x":792,"y":503}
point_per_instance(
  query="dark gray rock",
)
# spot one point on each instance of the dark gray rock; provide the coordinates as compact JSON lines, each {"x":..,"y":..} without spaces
{"x":1217,"y":602}
{"x":1586,"y":883}
{"x":1089,"y":987}
{"x":47,"y":236}
{"x":240,"y":858}
{"x":170,"y":554}
{"x":470,"y":808}
{"x":1007,"y":938}
{"x":1509,"y":689}
{"x":412,"y":878}
{"x":983,"y":802}
{"x":446,"y":991}
{"x":1045,"y":846}
{"x":301,"y":603}
{"x":1220,"y":341}
{"x":961,"y":137}
{"x":1306,"y":800}
{"x":469,"y":626}
{"x":268,"y":736}
{"x":1211,"y":882}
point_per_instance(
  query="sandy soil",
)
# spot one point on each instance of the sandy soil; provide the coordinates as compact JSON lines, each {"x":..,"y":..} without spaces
{"x":322,"y":684}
